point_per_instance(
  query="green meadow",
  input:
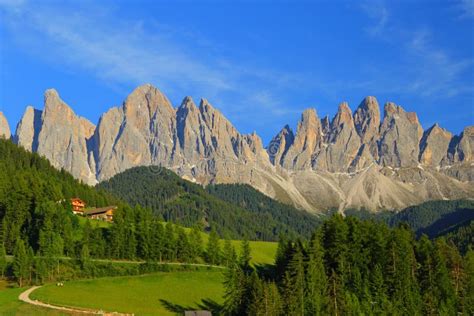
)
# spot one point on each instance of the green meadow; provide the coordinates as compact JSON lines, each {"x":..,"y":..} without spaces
{"x":11,"y":306}
{"x":165,"y":293}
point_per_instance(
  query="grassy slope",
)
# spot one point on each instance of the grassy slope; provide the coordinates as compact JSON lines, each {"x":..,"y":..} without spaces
{"x":157,"y":294}
{"x":262,"y":252}
{"x":10,"y":305}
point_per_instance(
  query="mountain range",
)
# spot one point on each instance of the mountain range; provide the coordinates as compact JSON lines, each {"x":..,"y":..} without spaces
{"x":355,"y":160}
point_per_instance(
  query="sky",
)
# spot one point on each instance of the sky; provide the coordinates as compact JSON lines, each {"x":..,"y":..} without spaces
{"x":261,"y":63}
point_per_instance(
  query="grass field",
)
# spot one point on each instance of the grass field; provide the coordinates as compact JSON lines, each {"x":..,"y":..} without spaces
{"x":11,"y":306}
{"x":262,"y":252}
{"x":156,"y":294}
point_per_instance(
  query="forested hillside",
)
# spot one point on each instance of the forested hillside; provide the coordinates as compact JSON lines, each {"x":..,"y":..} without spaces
{"x":435,"y":217}
{"x":187,"y":203}
{"x":27,"y":183}
{"x":49,"y":243}
{"x":354,"y":267}
{"x":249,"y":198}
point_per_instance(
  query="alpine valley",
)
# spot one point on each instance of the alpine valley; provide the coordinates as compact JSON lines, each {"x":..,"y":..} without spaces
{"x":355,"y":160}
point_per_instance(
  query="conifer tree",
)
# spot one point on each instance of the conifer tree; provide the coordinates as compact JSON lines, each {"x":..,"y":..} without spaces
{"x":234,"y":285}
{"x":294,"y":285}
{"x":3,"y":260}
{"x":169,"y":247}
{"x":20,"y":263}
{"x":195,"y":243}
{"x":229,"y":255}
{"x":316,"y":280}
{"x":213,"y":252}
{"x":469,"y":283}
{"x":245,"y":256}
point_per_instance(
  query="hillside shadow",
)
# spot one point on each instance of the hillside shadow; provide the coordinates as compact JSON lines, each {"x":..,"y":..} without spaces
{"x":447,"y":221}
{"x":205,"y":304}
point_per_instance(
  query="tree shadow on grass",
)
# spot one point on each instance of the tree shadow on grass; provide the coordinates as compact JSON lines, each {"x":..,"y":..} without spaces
{"x":205,"y":304}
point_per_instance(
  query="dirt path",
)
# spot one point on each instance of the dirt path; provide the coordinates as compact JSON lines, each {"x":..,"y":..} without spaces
{"x":25,"y":297}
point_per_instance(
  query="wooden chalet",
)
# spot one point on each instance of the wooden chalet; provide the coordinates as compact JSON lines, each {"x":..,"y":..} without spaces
{"x":78,"y":206}
{"x":101,"y":213}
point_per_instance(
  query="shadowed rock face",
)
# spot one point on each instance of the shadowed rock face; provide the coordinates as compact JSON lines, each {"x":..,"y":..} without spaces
{"x":353,"y":160}
{"x":27,"y":130}
{"x":280,"y":144}
{"x":4,"y":127}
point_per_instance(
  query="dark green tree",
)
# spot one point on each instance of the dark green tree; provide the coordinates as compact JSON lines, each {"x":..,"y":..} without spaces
{"x":20,"y":263}
{"x":213,"y":252}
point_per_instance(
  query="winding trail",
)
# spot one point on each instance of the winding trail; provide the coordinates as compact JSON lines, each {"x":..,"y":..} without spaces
{"x":25,"y":297}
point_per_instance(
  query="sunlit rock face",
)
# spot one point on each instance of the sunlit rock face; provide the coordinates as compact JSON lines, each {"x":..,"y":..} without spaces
{"x":353,"y":160}
{"x":4,"y":127}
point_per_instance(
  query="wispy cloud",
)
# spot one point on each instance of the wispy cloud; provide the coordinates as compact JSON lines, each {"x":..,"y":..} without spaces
{"x":378,"y":12}
{"x":114,"y":50}
{"x":427,"y":70}
{"x":437,"y":72}
{"x":130,"y":52}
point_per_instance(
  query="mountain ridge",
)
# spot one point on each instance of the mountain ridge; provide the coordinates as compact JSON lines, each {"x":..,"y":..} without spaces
{"x":357,"y":159}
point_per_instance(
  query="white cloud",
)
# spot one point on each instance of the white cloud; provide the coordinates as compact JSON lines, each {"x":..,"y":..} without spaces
{"x":427,"y":70}
{"x":114,"y":50}
{"x":378,"y":12}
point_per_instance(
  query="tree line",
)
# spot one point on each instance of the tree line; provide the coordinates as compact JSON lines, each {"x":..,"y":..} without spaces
{"x":354,"y":267}
{"x":237,"y":211}
{"x":135,"y":235}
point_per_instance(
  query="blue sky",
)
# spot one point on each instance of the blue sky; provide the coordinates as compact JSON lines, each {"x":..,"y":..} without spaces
{"x":260,"y":62}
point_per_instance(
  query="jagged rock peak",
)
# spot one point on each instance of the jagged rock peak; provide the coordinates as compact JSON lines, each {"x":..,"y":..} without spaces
{"x":188,"y":102}
{"x":465,"y":146}
{"x":309,"y":115}
{"x":400,"y":135}
{"x":369,"y":106}
{"x":28,"y":129}
{"x":367,"y":122}
{"x":391,"y":108}
{"x":149,"y":96}
{"x":279,"y":144}
{"x":344,"y":115}
{"x":4,"y":127}
{"x":434,"y":145}
{"x":54,"y":105}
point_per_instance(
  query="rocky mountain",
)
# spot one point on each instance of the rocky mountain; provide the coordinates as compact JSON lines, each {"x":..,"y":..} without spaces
{"x":4,"y":127}
{"x":354,"y":160}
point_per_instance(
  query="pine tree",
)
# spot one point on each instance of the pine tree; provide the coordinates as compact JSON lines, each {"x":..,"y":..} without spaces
{"x":20,"y":263}
{"x":255,"y":293}
{"x":245,"y":256}
{"x":234,"y":285}
{"x":336,"y":304}
{"x":229,"y":255}
{"x":184,"y":253}
{"x":294,"y":285}
{"x":85,"y":259}
{"x":213,"y":248}
{"x":3,"y":259}
{"x":169,"y":247}
{"x":157,"y":240}
{"x":316,"y":280}
{"x":195,"y":243}
{"x":469,"y":283}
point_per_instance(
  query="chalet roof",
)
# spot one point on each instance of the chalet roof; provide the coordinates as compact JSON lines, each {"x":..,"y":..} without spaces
{"x":99,"y":210}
